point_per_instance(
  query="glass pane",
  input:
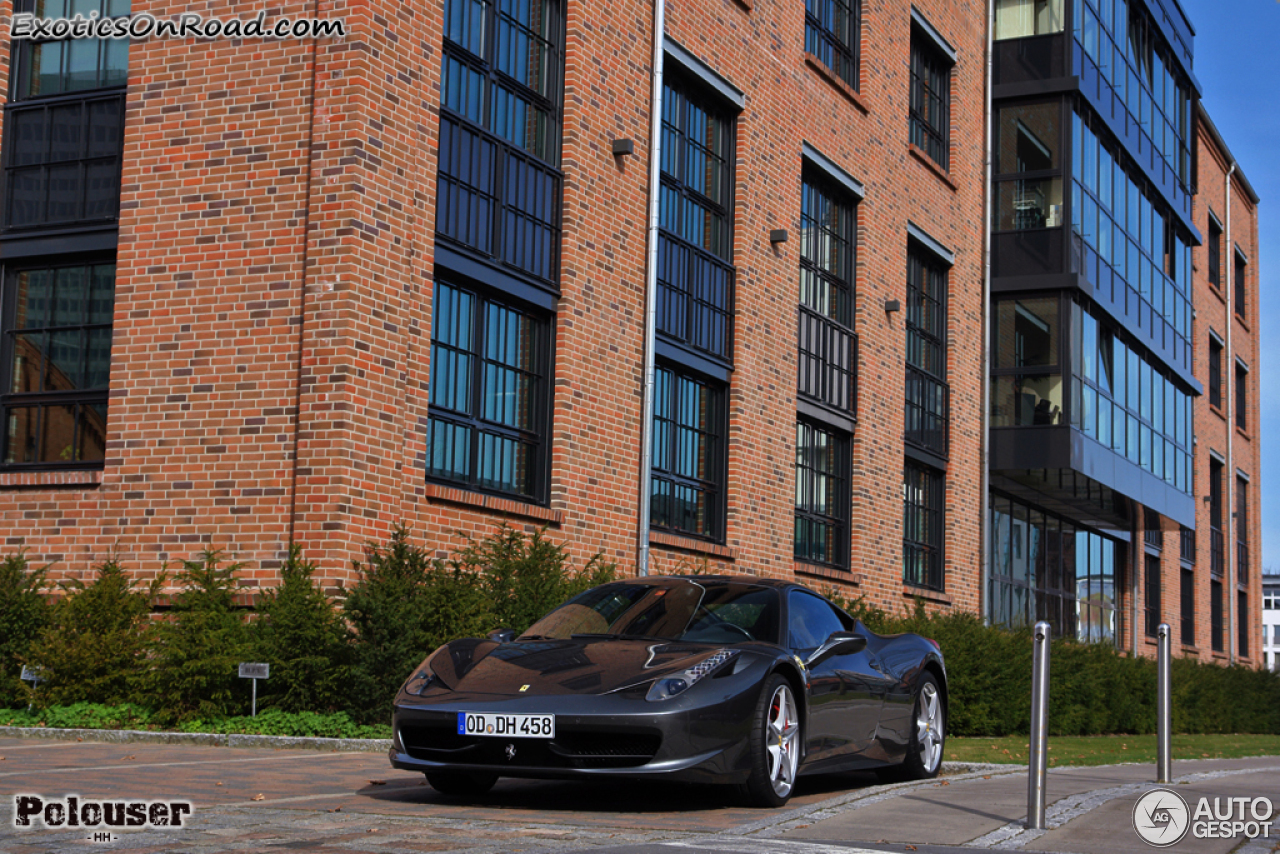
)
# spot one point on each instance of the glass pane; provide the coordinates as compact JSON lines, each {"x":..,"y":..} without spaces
{"x":45,"y":69}
{"x":102,"y":189}
{"x":103,"y":293}
{"x":98,"y":365}
{"x":104,"y":128}
{"x":35,"y":299}
{"x":448,"y":450}
{"x":464,"y":24}
{"x":26,"y":196}
{"x":1027,"y":333}
{"x":463,"y":90}
{"x":24,"y":423}
{"x":92,"y":434}
{"x":28,"y":362}
{"x":57,"y":435}
{"x":116,"y":67}
{"x":66,"y":361}
{"x":1029,"y":138}
{"x":64,"y":193}
{"x":82,"y":64}
{"x":71,"y":296}
{"x":27,"y":137}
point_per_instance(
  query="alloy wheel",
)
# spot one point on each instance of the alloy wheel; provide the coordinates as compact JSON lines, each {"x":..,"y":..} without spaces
{"x":782,"y":740}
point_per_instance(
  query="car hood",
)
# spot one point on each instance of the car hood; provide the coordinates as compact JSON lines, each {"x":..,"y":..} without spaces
{"x":585,"y":666}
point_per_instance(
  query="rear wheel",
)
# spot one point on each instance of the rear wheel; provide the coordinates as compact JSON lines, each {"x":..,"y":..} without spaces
{"x":775,"y":746}
{"x":928,"y":734}
{"x":462,"y":784}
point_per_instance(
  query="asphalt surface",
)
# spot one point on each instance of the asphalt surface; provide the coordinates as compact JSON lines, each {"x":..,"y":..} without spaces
{"x":325,"y":801}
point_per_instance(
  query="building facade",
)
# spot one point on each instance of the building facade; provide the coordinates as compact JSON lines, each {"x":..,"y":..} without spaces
{"x":1270,"y":640}
{"x":698,"y":290}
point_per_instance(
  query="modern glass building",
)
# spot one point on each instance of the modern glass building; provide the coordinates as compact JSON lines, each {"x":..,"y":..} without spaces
{"x":1092,"y":231}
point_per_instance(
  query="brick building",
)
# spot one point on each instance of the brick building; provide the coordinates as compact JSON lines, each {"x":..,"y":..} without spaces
{"x":419,"y":273}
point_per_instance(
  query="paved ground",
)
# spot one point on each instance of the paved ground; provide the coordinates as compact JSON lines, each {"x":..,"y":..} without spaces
{"x":276,"y":800}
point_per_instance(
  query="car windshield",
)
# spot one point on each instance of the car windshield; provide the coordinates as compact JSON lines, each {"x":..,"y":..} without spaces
{"x":706,"y":612}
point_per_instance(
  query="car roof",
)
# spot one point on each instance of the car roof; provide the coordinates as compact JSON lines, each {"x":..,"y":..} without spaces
{"x":667,"y":580}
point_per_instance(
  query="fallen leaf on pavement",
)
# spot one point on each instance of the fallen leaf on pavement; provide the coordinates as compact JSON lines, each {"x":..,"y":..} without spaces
{"x":219,"y":783}
{"x":258,"y":797}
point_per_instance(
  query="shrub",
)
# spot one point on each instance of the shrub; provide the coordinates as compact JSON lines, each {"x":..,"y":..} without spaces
{"x":304,"y":639}
{"x":24,"y":612}
{"x":81,"y":716}
{"x":94,"y":646}
{"x":299,"y":724}
{"x":197,"y":651}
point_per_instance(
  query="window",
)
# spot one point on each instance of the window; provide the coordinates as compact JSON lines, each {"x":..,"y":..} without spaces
{"x":1026,"y":384}
{"x":63,"y":126}
{"x":832,"y":31}
{"x":1215,"y":372}
{"x":827,"y":345}
{"x":1243,"y":624}
{"x":1152,"y":582}
{"x":688,"y":439}
{"x":1215,"y":254}
{"x":1216,"y":539}
{"x":922,"y":495}
{"x":57,"y":352}
{"x":490,"y":366}
{"x":1017,"y":19}
{"x":1242,"y":530}
{"x":1240,"y":392}
{"x":695,"y":274}
{"x":930,"y":119}
{"x":1029,"y":148}
{"x":1217,"y":633}
{"x":927,"y":394}
{"x":499,"y":190}
{"x":810,"y":621}
{"x":1241,"y":279}
{"x":822,"y":495}
{"x":1187,"y":598}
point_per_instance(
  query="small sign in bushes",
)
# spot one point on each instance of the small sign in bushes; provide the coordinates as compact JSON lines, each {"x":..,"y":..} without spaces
{"x":255,"y":670}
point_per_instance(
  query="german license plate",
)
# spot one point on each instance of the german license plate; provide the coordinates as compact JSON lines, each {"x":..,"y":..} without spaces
{"x":507,"y":726}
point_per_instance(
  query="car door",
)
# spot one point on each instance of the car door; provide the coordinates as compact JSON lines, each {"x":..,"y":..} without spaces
{"x":844,"y":696}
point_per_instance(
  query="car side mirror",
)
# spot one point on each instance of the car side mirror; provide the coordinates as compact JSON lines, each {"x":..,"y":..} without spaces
{"x":502,"y":635}
{"x":839,"y":643}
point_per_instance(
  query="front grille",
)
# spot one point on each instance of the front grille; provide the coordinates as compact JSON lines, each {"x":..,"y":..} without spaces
{"x":571,"y":748}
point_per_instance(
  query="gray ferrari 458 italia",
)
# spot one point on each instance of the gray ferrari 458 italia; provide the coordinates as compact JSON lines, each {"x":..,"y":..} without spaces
{"x":731,"y":680}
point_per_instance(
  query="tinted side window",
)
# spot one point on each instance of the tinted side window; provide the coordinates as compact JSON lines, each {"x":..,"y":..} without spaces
{"x":810,"y":620}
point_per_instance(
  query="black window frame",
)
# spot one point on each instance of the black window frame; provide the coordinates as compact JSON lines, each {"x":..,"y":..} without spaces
{"x":923,"y":544}
{"x":1214,"y":252}
{"x":543,"y":354}
{"x":1215,"y":372}
{"x":1242,"y":529}
{"x":839,"y":48}
{"x":1244,"y":627}
{"x":1187,"y":603}
{"x":836,"y":523}
{"x":929,"y":111}
{"x":927,"y":403}
{"x":1217,"y":536}
{"x":696,"y":282}
{"x":1240,"y":395}
{"x":77,"y":398}
{"x":480,"y":169}
{"x":1217,"y":631}
{"x":1153,"y":598}
{"x":715,"y":485}
{"x":825,"y":338}
{"x":1240,"y":281}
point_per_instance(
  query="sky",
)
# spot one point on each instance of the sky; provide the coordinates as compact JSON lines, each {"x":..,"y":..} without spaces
{"x":1238,"y":65}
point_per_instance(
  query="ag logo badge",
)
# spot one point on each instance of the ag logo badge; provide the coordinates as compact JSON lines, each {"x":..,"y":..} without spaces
{"x":1161,"y":817}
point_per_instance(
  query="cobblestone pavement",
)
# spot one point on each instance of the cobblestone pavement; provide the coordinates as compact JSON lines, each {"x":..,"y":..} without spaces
{"x":277,"y":800}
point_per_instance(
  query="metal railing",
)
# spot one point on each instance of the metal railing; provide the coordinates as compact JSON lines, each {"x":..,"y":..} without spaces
{"x":927,"y":411}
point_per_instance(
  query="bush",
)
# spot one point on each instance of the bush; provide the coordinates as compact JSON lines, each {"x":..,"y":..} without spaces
{"x":197,"y":651}
{"x":81,"y":716}
{"x":24,"y":612}
{"x":298,"y":725}
{"x":300,"y":634}
{"x":94,"y":646}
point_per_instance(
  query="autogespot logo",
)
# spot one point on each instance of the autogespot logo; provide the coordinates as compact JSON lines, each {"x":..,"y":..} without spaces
{"x":1161,"y":818}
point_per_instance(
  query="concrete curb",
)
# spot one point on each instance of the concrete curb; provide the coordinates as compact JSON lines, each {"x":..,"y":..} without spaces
{"x":201,"y":739}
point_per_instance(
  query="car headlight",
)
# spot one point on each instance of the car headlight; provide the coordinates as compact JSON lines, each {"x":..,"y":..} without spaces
{"x":671,"y":686}
{"x":422,"y":679}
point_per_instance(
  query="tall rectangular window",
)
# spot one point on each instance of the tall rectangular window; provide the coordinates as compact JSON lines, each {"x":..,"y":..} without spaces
{"x":501,"y":94}
{"x":1240,"y":394}
{"x":489,"y":393}
{"x":1244,"y":625}
{"x":57,"y":356}
{"x":1215,"y":254}
{"x":832,"y":32}
{"x":927,"y":394}
{"x":1241,"y":287}
{"x":1242,"y":530}
{"x":922,"y":526}
{"x":695,"y":249}
{"x":63,"y":125}
{"x":930,"y":108}
{"x":1216,"y":536}
{"x":1187,"y":601}
{"x":826,"y":341}
{"x":1215,"y":372}
{"x":1217,"y":633}
{"x":688,"y":454}
{"x":1153,"y":596}
{"x":822,"y":495}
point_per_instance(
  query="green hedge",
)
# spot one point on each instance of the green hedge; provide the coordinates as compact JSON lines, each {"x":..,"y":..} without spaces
{"x":335,"y":670}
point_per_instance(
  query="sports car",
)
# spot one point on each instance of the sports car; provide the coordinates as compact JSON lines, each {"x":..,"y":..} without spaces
{"x":716,"y":679}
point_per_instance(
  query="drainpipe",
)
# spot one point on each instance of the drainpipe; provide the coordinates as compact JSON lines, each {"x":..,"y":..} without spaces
{"x":984,"y":515}
{"x":651,"y":295}
{"x":1229,"y":383}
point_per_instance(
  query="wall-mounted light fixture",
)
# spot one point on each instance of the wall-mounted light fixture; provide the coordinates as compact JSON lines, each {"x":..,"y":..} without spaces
{"x":624,"y":147}
{"x":891,"y":305}
{"x":778,"y":235}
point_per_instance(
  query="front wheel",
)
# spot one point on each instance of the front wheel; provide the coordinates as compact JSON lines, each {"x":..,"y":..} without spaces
{"x":461,"y":784}
{"x":928,"y":734}
{"x":775,"y":745}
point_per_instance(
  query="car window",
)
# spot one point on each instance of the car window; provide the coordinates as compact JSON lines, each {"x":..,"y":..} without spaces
{"x":810,"y":620}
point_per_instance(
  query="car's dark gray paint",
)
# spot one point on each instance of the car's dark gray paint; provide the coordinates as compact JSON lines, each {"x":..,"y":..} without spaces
{"x":856,"y":706}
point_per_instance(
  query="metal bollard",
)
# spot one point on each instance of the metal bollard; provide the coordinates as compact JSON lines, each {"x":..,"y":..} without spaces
{"x":1164,"y":705}
{"x":1037,"y":767}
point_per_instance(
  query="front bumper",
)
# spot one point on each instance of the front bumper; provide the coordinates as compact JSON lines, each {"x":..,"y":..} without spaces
{"x":698,"y":738}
